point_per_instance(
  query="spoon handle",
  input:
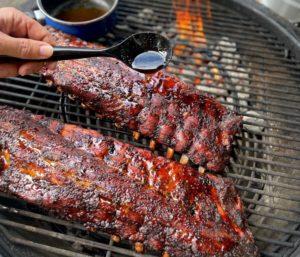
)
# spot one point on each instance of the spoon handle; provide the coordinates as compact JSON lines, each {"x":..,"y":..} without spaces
{"x":61,"y":53}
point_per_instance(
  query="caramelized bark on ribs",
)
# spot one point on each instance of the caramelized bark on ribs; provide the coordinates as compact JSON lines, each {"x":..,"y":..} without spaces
{"x":159,"y":106}
{"x":81,"y":175}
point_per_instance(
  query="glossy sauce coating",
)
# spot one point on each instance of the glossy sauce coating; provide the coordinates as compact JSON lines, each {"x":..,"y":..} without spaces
{"x":80,"y":175}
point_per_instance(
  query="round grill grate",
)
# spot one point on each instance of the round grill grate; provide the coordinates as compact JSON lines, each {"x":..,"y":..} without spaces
{"x":247,"y":68}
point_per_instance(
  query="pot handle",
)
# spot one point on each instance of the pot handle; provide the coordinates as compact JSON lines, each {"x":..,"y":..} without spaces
{"x":37,"y":15}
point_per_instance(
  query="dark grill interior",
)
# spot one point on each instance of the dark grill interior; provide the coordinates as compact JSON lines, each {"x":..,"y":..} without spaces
{"x":224,"y":53}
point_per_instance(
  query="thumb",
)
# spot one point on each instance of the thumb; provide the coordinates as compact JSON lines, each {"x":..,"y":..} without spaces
{"x":24,"y":48}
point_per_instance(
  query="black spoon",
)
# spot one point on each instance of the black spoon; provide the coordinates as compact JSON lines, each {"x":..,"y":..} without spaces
{"x":144,"y":52}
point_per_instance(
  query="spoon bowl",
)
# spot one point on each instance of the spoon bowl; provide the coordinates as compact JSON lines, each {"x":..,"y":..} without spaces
{"x":145,"y":51}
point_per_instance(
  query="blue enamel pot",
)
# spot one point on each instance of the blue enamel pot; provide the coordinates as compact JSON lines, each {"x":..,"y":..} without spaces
{"x":88,"y":30}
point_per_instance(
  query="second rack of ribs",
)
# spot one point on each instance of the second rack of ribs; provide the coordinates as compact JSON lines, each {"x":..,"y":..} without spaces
{"x":159,"y":106}
{"x":80,"y":175}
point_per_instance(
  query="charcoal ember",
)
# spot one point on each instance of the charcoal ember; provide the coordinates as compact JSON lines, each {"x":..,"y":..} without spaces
{"x":229,"y":59}
{"x":204,"y":69}
{"x":241,"y":80}
{"x":77,"y":246}
{"x":243,"y":95}
{"x":213,"y":90}
{"x":171,"y":33}
{"x":187,"y":74}
{"x":207,"y":76}
{"x":243,"y":105}
{"x":225,"y":52}
{"x":159,"y":29}
{"x":132,"y":21}
{"x":211,"y":64}
{"x":147,"y":13}
{"x":255,"y":118}
{"x":198,"y":58}
{"x":148,"y":16}
{"x":243,"y":74}
{"x":122,"y":27}
{"x":231,"y":102}
{"x":216,"y":54}
{"x":225,"y":44}
{"x":239,"y":75}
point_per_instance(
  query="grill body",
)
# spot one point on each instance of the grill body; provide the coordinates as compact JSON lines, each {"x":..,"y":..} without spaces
{"x":237,"y":51}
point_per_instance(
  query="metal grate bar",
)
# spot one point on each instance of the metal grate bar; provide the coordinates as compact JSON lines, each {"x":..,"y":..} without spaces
{"x":268,"y":172}
{"x":296,"y":233}
{"x":28,"y":81}
{"x":268,"y":254}
{"x":211,"y":36}
{"x":210,"y":86}
{"x":245,"y":122}
{"x":26,"y":88}
{"x":267,"y":61}
{"x":222,"y":16}
{"x":277,"y":217}
{"x":264,"y":181}
{"x":159,"y":11}
{"x":59,"y":235}
{"x":265,"y":161}
{"x":253,"y":101}
{"x":275,"y":242}
{"x":50,"y":249}
{"x":269,"y":153}
{"x":278,"y":136}
{"x":267,"y":143}
{"x":72,"y":239}
{"x":244,"y":114}
{"x":211,"y":57}
{"x":29,"y":106}
{"x":291,"y":63}
{"x":36,"y":107}
{"x":262,"y":192}
{"x":275,"y":207}
{"x":41,"y":217}
{"x":163,"y":19}
{"x":27,"y":97}
{"x":224,"y":102}
{"x":84,"y":116}
{"x":182,"y":61}
{"x":236,"y":77}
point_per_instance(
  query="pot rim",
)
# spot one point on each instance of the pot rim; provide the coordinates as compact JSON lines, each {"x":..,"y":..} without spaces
{"x":102,"y":17}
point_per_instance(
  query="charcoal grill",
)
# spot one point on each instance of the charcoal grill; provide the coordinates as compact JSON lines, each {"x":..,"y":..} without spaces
{"x":238,"y":51}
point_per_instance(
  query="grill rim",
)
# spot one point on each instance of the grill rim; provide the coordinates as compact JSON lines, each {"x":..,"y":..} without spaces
{"x":285,"y":31}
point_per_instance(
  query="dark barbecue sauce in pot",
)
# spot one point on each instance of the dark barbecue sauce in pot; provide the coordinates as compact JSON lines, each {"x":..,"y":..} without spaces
{"x":78,"y":11}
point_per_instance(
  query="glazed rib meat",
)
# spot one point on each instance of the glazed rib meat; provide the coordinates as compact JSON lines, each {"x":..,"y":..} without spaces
{"x":80,"y":175}
{"x":159,"y":106}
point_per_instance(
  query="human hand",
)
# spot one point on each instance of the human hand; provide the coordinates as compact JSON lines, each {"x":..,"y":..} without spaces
{"x":23,"y":37}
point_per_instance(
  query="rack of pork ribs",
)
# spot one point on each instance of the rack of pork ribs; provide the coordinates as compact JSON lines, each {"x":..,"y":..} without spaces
{"x":159,"y":106}
{"x":80,"y":175}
